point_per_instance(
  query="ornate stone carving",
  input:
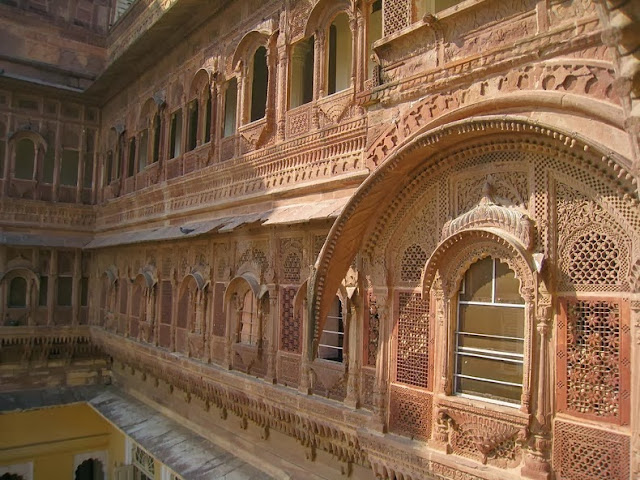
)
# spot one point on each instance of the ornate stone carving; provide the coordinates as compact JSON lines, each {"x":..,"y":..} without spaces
{"x":489,"y":436}
{"x":488,"y":214}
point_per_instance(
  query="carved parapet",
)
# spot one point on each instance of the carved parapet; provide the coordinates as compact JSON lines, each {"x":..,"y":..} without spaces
{"x":494,"y":437}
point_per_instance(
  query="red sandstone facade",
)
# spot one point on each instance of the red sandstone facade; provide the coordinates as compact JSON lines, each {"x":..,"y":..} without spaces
{"x":269,"y":219}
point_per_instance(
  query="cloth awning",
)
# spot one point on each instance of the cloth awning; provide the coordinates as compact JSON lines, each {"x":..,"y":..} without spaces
{"x":288,"y":214}
{"x":43,"y":240}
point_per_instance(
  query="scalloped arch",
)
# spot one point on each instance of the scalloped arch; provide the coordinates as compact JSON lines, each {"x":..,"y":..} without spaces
{"x":379,"y":191}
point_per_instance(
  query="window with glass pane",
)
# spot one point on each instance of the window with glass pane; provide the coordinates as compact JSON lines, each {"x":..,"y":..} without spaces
{"x":330,"y":346}
{"x":249,"y":326}
{"x":490,"y":334}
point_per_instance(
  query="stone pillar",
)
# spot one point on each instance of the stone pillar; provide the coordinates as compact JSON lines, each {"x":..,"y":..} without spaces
{"x":319,"y":66}
{"x":355,"y":60}
{"x":283,"y":85}
{"x":213,"y":138}
{"x":272,"y":344}
{"x":381,"y":385}
{"x":354,"y":340}
{"x":361,"y":60}
{"x":536,"y":462}
{"x":305,"y":366}
{"x":274,"y":82}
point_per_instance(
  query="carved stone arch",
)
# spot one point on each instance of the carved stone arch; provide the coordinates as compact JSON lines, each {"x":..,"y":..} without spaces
{"x":199,"y":82}
{"x":147,"y":277}
{"x":242,"y":283}
{"x":248,"y":44}
{"x":39,"y":143}
{"x":148,"y":110}
{"x":454,"y":255}
{"x":451,"y":107}
{"x":21,"y":271}
{"x":446,"y":268}
{"x":425,"y":154}
{"x":112,"y":274}
{"x":324,"y":12}
{"x":195,"y":277}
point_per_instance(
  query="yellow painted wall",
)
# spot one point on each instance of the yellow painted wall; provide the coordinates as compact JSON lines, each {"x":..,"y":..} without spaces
{"x":50,"y":437}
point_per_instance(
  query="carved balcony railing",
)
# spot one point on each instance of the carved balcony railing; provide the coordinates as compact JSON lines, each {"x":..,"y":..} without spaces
{"x":32,"y":345}
{"x":174,"y":168}
{"x":67,"y":194}
{"x":298,"y":120}
{"x":252,"y":135}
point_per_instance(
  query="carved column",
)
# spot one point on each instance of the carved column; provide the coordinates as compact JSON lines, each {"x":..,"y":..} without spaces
{"x":354,"y":340}
{"x":272,"y":345}
{"x":274,"y":83}
{"x":355,"y":61}
{"x":31,"y":301}
{"x":305,"y":366}
{"x":361,"y":46}
{"x":283,"y":83}
{"x":442,"y":325}
{"x":214,"y":140}
{"x":318,"y":74}
{"x":150,"y":314}
{"x":174,"y":310}
{"x":536,"y":464}
{"x":234,"y":315}
{"x":381,"y":386}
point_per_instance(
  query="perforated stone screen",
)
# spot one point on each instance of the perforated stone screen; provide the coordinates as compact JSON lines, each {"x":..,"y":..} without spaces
{"x":594,"y":359}
{"x":412,"y":356}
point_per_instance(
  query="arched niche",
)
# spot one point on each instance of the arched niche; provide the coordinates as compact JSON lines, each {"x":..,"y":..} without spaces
{"x":323,"y":13}
{"x":408,"y":166}
{"x":245,"y":303}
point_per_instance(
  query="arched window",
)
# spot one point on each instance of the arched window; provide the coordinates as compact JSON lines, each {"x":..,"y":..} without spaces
{"x":207,"y":116}
{"x":90,"y":469}
{"x":339,"y":55}
{"x":175,"y":136}
{"x":109,"y":167}
{"x":259,"y":82}
{"x":230,"y":107}
{"x":132,"y":157}
{"x":301,"y":90}
{"x":25,"y":159}
{"x":143,"y":151}
{"x":331,"y":344}
{"x":17,"y":293}
{"x":489,"y":349}
{"x":249,"y":325}
{"x":193,"y":125}
{"x":157,"y":128}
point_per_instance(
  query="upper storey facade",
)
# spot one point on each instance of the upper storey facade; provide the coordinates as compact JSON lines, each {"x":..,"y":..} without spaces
{"x":263,"y":101}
